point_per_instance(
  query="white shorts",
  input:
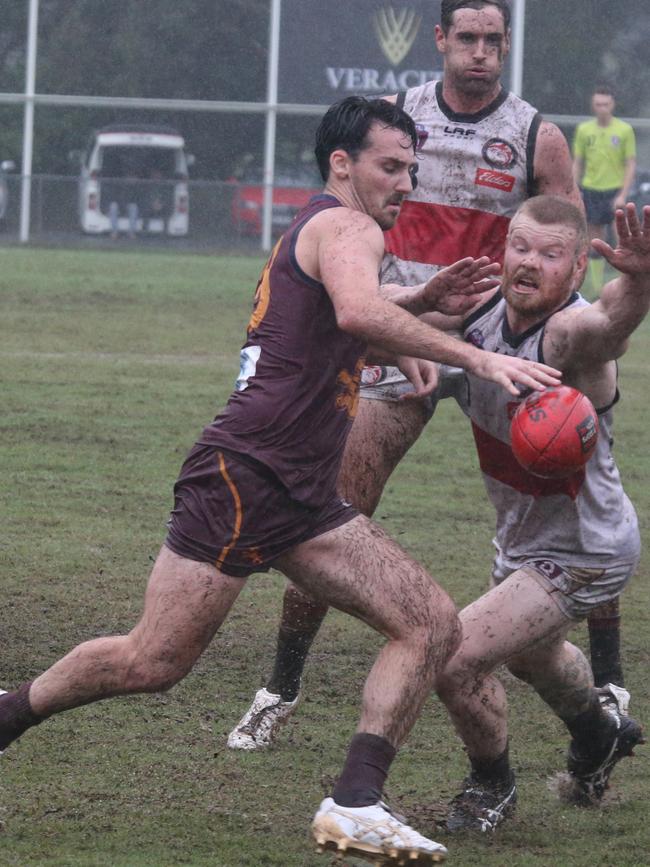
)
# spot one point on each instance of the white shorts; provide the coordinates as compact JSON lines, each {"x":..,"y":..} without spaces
{"x":383,"y":382}
{"x":577,"y":590}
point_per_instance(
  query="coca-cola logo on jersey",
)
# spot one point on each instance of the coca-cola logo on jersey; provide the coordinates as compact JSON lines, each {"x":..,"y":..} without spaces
{"x":499,"y":153}
{"x":496,"y":180}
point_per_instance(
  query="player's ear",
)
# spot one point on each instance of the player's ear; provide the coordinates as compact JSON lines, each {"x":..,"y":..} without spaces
{"x":507,"y":42}
{"x":440,"y":38}
{"x":580,"y":270}
{"x":340,"y":164}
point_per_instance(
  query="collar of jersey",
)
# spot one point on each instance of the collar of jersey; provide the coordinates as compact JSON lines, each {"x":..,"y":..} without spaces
{"x":515,"y":340}
{"x":462,"y":117}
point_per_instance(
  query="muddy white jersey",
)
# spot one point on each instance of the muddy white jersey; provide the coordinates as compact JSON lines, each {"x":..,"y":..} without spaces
{"x":474,"y":172}
{"x":585,"y":520}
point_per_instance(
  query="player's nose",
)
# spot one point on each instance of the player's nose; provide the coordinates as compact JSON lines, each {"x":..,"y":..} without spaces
{"x":480,"y":49}
{"x":530,"y":257}
{"x":404,"y":182}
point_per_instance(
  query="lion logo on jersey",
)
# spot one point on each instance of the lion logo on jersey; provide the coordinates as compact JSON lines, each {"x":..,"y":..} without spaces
{"x":499,"y":153}
{"x":475,"y":337}
{"x":348,"y":398}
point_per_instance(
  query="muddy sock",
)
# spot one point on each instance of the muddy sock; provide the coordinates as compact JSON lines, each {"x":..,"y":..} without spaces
{"x":16,"y":715}
{"x":364,"y":773}
{"x":605,"y":644}
{"x":591,"y":730}
{"x":493,"y":773}
{"x":301,"y":620}
{"x":290,"y":658}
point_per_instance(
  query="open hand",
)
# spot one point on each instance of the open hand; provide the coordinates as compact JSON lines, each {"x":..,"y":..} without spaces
{"x":510,"y":372}
{"x":422,"y":374}
{"x":632,"y":254}
{"x":459,"y":287}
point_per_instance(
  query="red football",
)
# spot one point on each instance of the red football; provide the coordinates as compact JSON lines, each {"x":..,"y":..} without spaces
{"x":554,"y":432}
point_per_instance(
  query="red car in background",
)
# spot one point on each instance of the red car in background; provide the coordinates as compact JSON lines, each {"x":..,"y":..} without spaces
{"x":291,"y":191}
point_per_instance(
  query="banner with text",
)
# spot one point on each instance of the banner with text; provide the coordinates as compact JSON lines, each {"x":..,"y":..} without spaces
{"x":329,"y":50}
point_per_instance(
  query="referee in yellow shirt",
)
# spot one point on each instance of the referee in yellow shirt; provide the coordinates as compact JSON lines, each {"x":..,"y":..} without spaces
{"x":604,"y":152}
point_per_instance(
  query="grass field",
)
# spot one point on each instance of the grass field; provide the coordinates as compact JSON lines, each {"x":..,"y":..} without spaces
{"x":111,"y":364}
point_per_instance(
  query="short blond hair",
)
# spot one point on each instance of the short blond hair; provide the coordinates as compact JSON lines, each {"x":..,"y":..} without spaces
{"x":555,"y":209}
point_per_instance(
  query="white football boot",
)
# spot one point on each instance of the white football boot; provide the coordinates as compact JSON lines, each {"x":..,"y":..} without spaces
{"x":373,"y":833}
{"x":257,"y":729}
{"x":614,"y":698}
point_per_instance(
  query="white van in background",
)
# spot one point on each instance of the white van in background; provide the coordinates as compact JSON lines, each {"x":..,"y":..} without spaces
{"x":134,"y":180}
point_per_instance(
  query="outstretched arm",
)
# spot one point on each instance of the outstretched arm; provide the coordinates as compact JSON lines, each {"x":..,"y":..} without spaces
{"x":599,"y":333}
{"x":625,"y":301}
{"x":453,"y":290}
{"x":349,"y":248}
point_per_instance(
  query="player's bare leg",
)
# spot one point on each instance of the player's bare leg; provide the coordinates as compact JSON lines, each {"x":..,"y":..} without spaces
{"x":382,"y":433}
{"x":185,"y":603}
{"x":358,"y":569}
{"x":517,"y":622}
{"x":507,"y":620}
{"x":602,"y":732}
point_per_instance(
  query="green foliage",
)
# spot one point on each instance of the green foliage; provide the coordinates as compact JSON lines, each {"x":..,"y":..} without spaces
{"x":198,"y":49}
{"x":112,"y":363}
{"x":570,"y":47}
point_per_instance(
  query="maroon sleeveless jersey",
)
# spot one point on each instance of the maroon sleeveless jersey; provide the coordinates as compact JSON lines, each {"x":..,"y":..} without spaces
{"x":298,"y":384}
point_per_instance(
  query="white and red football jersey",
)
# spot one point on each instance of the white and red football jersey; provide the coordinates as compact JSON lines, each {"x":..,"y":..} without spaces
{"x":474,"y":172}
{"x":584,"y":521}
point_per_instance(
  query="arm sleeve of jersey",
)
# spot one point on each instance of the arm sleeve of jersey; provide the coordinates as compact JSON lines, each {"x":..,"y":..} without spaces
{"x":629,"y":148}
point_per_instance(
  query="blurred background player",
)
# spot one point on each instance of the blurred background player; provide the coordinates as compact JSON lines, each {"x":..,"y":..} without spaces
{"x":482,"y":152}
{"x":604,"y":160}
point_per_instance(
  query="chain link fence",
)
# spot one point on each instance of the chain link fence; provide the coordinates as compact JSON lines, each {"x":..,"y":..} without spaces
{"x":224,"y":216}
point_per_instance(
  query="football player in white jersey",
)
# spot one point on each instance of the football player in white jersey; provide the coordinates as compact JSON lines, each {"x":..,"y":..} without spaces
{"x":482,"y":152}
{"x":564,"y":547}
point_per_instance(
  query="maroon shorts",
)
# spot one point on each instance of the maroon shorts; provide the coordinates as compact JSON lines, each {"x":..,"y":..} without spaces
{"x":234,"y":513}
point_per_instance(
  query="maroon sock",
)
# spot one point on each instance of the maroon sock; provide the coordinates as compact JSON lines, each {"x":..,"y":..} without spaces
{"x":365,"y":771}
{"x":16,"y":715}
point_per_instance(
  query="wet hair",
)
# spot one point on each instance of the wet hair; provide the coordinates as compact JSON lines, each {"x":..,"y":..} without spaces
{"x":555,"y":209}
{"x":346,"y":124}
{"x":448,"y":7}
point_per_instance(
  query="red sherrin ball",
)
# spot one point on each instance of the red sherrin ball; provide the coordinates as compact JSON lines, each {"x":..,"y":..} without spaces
{"x":554,"y":432}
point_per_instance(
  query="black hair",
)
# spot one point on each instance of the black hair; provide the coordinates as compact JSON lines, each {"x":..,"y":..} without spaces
{"x":448,"y":7}
{"x":345,"y":125}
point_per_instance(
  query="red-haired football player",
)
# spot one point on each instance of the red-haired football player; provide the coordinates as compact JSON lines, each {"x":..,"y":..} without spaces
{"x":563,"y":546}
